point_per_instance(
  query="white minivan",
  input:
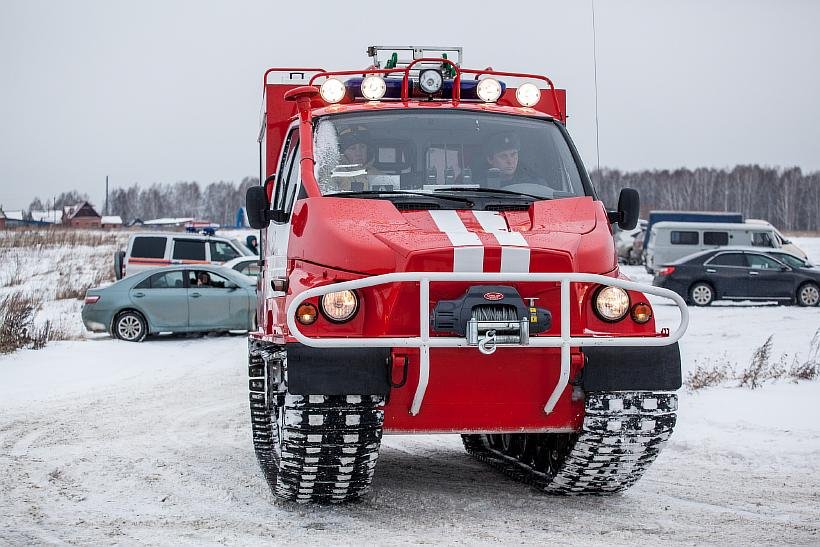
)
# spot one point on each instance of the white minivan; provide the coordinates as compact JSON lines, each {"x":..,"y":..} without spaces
{"x":155,"y":249}
{"x":671,"y":240}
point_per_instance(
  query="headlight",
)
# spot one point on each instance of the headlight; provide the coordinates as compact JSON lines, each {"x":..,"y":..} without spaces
{"x":340,"y":306}
{"x":528,"y":94}
{"x":488,"y":90}
{"x":373,"y":87}
{"x":611,"y":303}
{"x":430,"y":80}
{"x":332,"y":90}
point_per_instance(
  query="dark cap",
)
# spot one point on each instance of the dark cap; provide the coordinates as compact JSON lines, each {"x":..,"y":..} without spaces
{"x":353,"y":135}
{"x":502,"y":141}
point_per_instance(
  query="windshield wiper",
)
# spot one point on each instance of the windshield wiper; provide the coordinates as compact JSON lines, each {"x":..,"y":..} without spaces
{"x":398,"y":193}
{"x":491,"y":191}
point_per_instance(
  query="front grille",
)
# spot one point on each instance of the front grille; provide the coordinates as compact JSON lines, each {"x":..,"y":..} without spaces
{"x":414,"y":206}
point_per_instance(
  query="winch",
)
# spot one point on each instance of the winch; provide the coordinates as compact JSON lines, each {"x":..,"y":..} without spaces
{"x":490,"y":316}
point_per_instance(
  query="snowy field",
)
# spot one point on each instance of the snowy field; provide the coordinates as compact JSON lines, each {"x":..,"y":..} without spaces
{"x":106,"y":442}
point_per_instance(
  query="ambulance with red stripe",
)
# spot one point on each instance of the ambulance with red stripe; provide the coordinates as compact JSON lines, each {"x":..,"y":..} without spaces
{"x":435,"y":260}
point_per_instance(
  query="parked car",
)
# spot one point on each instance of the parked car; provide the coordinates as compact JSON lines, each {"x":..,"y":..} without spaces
{"x":673,"y":240}
{"x":156,"y":249}
{"x":246,"y":265}
{"x":742,"y":273}
{"x":625,"y":241}
{"x":182,"y":298}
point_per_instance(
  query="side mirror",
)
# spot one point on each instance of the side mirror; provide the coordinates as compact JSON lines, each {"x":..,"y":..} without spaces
{"x":257,"y":207}
{"x":629,"y":208}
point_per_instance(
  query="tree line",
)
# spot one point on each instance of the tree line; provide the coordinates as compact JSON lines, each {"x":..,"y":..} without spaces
{"x":787,"y":198}
{"x":216,"y":202}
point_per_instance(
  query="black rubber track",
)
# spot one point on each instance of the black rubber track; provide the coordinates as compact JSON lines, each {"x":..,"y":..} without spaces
{"x":311,"y":448}
{"x":622,"y":434}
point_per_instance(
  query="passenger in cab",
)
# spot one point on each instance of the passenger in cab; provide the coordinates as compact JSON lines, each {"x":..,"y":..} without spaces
{"x":504,"y":169}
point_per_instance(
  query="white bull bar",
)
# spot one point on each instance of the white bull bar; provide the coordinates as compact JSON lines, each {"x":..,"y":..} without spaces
{"x":424,"y":342}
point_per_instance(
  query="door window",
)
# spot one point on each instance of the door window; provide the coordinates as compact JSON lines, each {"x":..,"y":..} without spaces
{"x":715,"y":238}
{"x":728,"y":259}
{"x":760,"y":262}
{"x":148,"y":247}
{"x":202,"y":279}
{"x":677,"y":237}
{"x":285,"y":193}
{"x":762,"y":239}
{"x":189,"y":249}
{"x":792,"y":261}
{"x":248,"y":268}
{"x":222,"y":252}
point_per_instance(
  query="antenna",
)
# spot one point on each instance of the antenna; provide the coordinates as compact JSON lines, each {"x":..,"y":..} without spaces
{"x":105,"y":210}
{"x":595,"y":75}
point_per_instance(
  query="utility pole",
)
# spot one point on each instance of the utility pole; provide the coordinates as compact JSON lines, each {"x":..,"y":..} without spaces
{"x":105,"y":209}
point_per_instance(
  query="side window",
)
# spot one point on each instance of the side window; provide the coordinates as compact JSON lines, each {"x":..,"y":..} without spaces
{"x":728,"y":259}
{"x":149,"y":247}
{"x":189,"y":249}
{"x":762,"y":239}
{"x":760,"y":262}
{"x":285,"y":164}
{"x":166,"y":280}
{"x":248,"y":268}
{"x":683,"y":238}
{"x":201,"y":279}
{"x":285,"y":193}
{"x":222,"y":252}
{"x":715,"y":238}
{"x":792,"y":261}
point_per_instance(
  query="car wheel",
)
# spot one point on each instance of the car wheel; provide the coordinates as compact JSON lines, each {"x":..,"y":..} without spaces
{"x":701,"y":294}
{"x":130,"y":326}
{"x":808,"y":294}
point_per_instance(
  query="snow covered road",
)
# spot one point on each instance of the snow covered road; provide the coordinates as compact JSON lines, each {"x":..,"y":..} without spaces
{"x":108,"y":442}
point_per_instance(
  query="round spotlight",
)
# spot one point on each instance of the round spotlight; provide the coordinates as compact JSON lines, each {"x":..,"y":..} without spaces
{"x":641,"y":312}
{"x":306,"y":313}
{"x":611,"y":303}
{"x":528,"y":94}
{"x":332,"y":90}
{"x":373,"y":87}
{"x":488,"y":90}
{"x":430,"y":80}
{"x":340,"y":306}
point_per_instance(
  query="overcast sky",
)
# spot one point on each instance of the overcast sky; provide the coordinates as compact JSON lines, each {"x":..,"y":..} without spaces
{"x":162,"y":91}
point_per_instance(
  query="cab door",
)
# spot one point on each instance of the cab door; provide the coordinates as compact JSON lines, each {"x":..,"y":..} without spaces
{"x":727,"y":273}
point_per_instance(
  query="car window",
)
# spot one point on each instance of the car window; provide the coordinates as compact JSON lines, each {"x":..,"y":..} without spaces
{"x":715,"y":238}
{"x":762,"y":239}
{"x":166,"y":280}
{"x":761,"y":262}
{"x":189,"y":249}
{"x":248,"y":268}
{"x":728,"y":259}
{"x":202,"y":279}
{"x":677,"y":237}
{"x":149,"y":247}
{"x":222,"y":252}
{"x":792,"y":261}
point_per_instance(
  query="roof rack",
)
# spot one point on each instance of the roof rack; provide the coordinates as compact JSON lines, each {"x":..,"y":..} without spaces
{"x":392,"y":54}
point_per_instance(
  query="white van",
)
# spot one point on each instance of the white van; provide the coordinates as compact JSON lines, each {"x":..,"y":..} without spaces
{"x":155,"y":249}
{"x":670,"y":241}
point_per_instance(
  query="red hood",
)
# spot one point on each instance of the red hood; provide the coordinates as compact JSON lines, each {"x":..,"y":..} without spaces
{"x":372,"y":236}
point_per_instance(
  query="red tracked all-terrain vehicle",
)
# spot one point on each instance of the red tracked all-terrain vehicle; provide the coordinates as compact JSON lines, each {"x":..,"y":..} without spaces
{"x":436,"y":260}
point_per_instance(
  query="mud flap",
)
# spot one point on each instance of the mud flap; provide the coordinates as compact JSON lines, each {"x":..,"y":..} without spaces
{"x":651,"y":368}
{"x":337,"y":371}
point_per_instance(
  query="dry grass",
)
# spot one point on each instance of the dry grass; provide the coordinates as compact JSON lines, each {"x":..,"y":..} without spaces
{"x":67,"y":288}
{"x":29,"y":238}
{"x":17,"y":328}
{"x":761,"y":369}
{"x":14,"y":269}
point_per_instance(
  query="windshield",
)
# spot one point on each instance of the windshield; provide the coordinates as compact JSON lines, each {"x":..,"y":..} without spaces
{"x":444,"y":152}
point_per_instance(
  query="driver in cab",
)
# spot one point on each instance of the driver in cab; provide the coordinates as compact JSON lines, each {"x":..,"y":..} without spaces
{"x":503,"y":168}
{"x":356,"y":160}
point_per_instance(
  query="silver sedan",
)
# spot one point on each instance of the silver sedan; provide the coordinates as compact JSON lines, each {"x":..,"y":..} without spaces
{"x":192,"y":298}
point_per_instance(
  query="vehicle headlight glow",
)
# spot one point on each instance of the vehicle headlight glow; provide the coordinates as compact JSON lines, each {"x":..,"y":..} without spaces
{"x":332,"y":90}
{"x":306,"y":313}
{"x":488,"y":90}
{"x":611,"y":303}
{"x":340,"y":306}
{"x":373,"y":87}
{"x":528,"y":94}
{"x":641,"y":313}
{"x":430,"y":80}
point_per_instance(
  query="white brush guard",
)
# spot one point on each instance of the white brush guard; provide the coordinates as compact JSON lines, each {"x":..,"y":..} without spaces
{"x":424,"y":342}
